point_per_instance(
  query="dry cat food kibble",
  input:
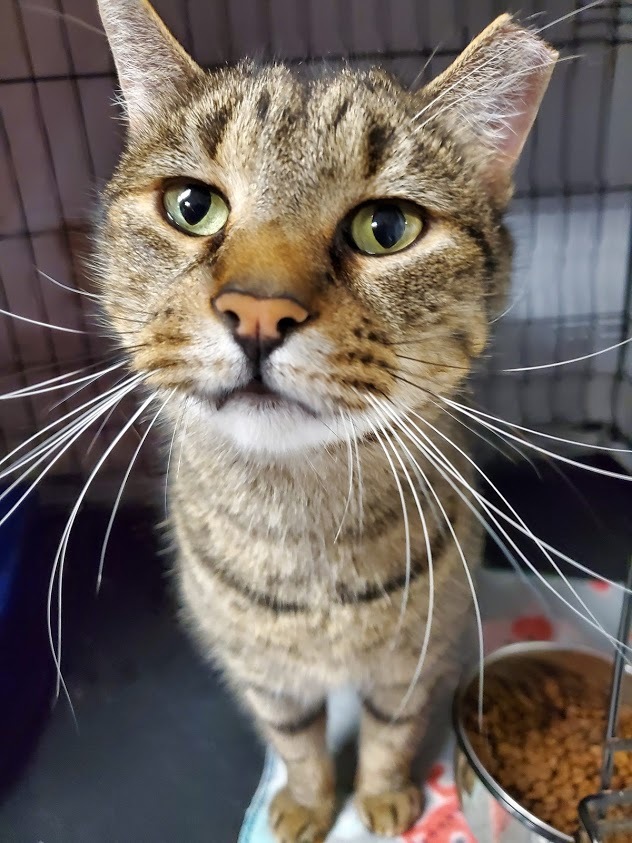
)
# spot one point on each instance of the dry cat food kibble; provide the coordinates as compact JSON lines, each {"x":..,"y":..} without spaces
{"x":542,"y":741}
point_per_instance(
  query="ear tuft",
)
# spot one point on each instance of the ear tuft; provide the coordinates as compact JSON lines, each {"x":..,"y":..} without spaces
{"x":151,"y":65}
{"x":491,"y":94}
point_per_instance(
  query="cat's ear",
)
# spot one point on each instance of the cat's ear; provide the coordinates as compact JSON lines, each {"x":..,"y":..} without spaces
{"x":490,"y":97}
{"x":152,"y":67}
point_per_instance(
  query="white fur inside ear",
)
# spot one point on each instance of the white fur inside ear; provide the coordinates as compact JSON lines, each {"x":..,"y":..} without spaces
{"x":151,"y":65}
{"x":503,"y":106}
{"x":492,"y":92}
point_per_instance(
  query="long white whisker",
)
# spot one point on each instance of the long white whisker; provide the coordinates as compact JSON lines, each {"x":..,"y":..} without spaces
{"x":520,"y":524}
{"x":38,"y":388}
{"x":497,"y":539}
{"x":492,"y":60}
{"x":317,"y":474}
{"x":492,"y":511}
{"x":170,"y":456}
{"x":494,"y":445}
{"x":468,"y":574}
{"x":67,"y":288}
{"x":41,"y":324}
{"x":494,"y":535}
{"x":88,"y":382}
{"x":423,"y":487}
{"x":541,"y":433}
{"x":511,"y":509}
{"x":351,"y":477}
{"x":78,"y":426}
{"x":402,"y":499}
{"x":405,"y":597}
{"x":119,"y":496}
{"x":428,"y":630}
{"x":507,"y":78}
{"x":487,"y":507}
{"x":489,"y":529}
{"x":460,"y":81}
{"x":517,"y":298}
{"x":521,"y":573}
{"x":29,"y":7}
{"x":182,"y":438}
{"x":569,"y":15}
{"x":45,"y":445}
{"x":77,"y":429}
{"x":490,"y":508}
{"x":550,"y":548}
{"x":60,"y":556}
{"x":541,"y":543}
{"x":427,"y":63}
{"x":476,"y":416}
{"x":570,"y":360}
{"x":35,"y":457}
{"x":47,"y":367}
{"x":60,"y":680}
{"x":101,"y":427}
{"x":359,"y":473}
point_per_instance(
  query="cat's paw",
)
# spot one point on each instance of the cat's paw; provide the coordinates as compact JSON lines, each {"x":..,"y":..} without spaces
{"x":391,"y":813}
{"x":294,"y":823}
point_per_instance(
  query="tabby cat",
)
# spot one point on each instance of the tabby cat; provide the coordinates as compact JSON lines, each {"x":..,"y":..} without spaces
{"x":302,"y":268}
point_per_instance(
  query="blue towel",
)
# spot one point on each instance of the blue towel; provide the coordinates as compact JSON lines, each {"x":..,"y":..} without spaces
{"x":26,"y":666}
{"x":11,"y":536}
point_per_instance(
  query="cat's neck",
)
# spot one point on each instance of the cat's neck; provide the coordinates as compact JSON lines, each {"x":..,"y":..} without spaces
{"x":322,"y":485}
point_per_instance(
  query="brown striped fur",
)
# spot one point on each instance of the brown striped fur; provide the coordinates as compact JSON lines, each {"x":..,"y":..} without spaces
{"x":287,"y":601}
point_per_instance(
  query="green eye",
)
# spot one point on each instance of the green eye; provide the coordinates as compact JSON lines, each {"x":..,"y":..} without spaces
{"x":386,"y":227}
{"x":195,"y":208}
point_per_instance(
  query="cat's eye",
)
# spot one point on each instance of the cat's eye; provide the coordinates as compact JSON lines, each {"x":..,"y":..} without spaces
{"x":386,"y":226}
{"x":195,"y":208}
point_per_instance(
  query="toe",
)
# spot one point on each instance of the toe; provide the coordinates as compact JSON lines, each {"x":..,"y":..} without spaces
{"x":292,"y":822}
{"x":390,"y":813}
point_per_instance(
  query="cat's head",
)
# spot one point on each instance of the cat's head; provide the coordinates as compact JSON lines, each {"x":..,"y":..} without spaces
{"x":289,"y":255}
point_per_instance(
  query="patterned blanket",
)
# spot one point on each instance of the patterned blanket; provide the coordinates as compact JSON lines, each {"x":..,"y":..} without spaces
{"x":513,"y":610}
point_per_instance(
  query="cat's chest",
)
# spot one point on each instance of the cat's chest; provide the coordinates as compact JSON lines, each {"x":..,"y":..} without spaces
{"x":316,"y":532}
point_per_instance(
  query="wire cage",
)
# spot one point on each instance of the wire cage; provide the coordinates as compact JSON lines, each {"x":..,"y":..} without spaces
{"x":572,"y":217}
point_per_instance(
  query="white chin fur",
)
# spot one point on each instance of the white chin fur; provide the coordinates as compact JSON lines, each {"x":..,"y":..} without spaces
{"x":274,"y":430}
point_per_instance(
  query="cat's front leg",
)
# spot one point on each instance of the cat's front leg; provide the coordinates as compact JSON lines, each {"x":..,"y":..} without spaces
{"x":386,"y":799}
{"x":302,"y":812}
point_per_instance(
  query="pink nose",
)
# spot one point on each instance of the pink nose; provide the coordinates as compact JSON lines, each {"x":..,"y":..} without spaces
{"x":259,"y":325}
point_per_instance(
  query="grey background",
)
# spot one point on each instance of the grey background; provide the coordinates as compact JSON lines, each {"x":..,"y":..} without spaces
{"x":162,"y":754}
{"x":572,"y":220}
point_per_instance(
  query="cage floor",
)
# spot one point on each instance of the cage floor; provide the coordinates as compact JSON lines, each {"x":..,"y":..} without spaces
{"x":162,"y":753}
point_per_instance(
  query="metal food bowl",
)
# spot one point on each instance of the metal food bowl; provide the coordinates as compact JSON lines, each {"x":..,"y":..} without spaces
{"x":493,"y":815}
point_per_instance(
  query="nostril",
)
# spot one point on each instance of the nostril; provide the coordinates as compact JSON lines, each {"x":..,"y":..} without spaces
{"x":285,"y":325}
{"x":267,"y":320}
{"x":231,"y":319}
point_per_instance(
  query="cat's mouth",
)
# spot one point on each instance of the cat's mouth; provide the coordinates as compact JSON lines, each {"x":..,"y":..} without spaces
{"x":256,"y":393}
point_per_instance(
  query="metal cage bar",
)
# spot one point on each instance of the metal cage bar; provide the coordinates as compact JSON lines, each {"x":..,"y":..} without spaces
{"x":572,"y":290}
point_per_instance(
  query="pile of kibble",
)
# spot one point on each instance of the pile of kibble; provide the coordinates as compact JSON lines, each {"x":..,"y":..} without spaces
{"x":542,"y":740}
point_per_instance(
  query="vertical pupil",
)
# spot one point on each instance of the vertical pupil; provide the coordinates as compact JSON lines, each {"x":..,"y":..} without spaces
{"x":194,"y":203}
{"x":388,"y":225}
